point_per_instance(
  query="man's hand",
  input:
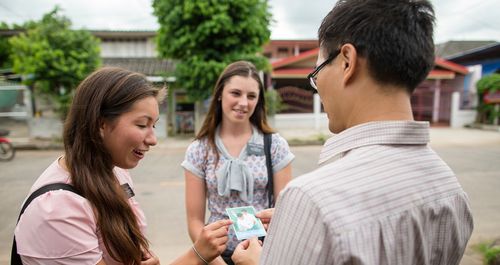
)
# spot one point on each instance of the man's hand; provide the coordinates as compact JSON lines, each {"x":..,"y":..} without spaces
{"x":265,"y":216}
{"x":212,"y":240}
{"x":247,"y":252}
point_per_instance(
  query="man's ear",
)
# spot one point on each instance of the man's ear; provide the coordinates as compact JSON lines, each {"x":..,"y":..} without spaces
{"x":349,"y":56}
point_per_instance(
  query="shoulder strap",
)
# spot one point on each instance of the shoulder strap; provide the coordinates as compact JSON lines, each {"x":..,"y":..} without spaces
{"x":15,"y":258}
{"x":269,"y":166}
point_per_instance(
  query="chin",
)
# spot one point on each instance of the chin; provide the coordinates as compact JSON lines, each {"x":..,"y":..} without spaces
{"x":240,"y":120}
{"x":334,"y":129}
{"x":128,"y":165}
{"x":331,"y":127}
{"x":132,"y":165}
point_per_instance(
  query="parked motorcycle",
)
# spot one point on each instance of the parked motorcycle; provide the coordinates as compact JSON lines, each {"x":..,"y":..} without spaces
{"x":7,"y":150}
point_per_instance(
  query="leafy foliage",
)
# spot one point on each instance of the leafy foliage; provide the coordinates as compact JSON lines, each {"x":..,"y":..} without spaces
{"x":491,"y":253}
{"x":205,"y":36}
{"x":54,"y":57}
{"x":4,"y":47}
{"x":274,"y":102}
{"x":487,"y":84}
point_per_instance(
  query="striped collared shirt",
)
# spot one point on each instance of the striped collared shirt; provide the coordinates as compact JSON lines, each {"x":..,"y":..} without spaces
{"x":380,"y":196}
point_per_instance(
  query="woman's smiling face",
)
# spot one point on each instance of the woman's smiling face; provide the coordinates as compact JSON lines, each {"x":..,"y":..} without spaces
{"x":239,"y":98}
{"x":130,"y":136}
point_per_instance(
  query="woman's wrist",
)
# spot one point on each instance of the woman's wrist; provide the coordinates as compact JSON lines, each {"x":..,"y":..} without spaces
{"x":200,"y":257}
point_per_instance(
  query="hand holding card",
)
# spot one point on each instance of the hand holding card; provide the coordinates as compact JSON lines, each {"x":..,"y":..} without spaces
{"x":245,"y":224}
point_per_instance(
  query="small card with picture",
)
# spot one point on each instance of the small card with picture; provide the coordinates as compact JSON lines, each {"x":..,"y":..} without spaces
{"x":245,"y":224}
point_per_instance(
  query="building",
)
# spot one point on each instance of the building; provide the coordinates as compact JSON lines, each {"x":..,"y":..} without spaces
{"x":431,"y":100}
{"x":480,"y":57}
{"x":279,"y":49}
{"x":455,"y":47}
{"x":136,"y":51}
{"x":292,"y":61}
{"x":487,"y":57}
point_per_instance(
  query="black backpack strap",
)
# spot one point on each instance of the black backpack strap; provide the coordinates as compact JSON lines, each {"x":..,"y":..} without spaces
{"x":15,"y":258}
{"x":269,"y":166}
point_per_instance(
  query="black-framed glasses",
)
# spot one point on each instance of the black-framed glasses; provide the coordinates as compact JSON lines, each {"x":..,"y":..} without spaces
{"x":313,"y":74}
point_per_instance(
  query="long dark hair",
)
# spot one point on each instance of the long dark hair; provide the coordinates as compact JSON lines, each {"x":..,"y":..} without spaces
{"x":214,"y":115}
{"x":104,"y":96}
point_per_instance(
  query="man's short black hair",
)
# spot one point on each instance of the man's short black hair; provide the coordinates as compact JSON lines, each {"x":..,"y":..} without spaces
{"x":395,"y":36}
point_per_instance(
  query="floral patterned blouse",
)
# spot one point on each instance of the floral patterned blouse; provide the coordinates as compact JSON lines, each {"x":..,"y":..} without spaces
{"x":202,"y":165}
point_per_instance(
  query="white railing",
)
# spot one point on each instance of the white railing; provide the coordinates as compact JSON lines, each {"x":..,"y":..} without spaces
{"x":316,"y":120}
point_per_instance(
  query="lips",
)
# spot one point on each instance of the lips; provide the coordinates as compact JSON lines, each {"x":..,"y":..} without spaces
{"x":240,"y":111}
{"x":139,"y":153}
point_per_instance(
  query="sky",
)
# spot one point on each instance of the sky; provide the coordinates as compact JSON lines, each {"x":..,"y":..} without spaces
{"x":292,"y":19}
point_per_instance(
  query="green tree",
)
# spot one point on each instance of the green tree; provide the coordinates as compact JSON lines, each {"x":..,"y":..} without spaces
{"x":4,"y":47}
{"x":487,"y":113}
{"x":54,"y":58}
{"x":206,"y":35}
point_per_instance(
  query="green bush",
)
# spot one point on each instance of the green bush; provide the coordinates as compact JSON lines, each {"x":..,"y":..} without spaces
{"x":488,"y":83}
{"x":486,"y":112}
{"x":491,"y":253}
{"x":274,"y":103}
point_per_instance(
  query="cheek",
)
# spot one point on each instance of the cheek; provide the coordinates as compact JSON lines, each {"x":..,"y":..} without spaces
{"x":136,"y":136}
{"x":225,"y":106}
{"x":129,"y":137}
{"x":253,"y":105}
{"x":226,"y":102}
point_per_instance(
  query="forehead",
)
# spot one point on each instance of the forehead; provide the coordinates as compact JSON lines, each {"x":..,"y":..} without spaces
{"x":146,"y":107}
{"x":243,"y":83}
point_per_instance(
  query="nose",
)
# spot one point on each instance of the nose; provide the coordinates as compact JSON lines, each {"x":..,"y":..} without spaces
{"x":243,"y":101}
{"x":151,"y":138}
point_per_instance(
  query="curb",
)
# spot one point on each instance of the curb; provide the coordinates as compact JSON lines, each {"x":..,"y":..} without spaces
{"x":38,"y":145}
{"x":485,"y":127}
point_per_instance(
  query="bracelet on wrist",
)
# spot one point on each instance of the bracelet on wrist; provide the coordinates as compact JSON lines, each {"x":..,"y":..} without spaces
{"x":198,"y":254}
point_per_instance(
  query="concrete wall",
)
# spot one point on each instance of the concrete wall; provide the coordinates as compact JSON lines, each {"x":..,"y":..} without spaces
{"x":459,"y":117}
{"x":301,"y":121}
{"x":128,"y":49}
{"x":317,"y":120}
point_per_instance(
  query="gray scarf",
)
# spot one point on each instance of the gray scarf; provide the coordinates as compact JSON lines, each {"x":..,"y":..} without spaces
{"x":234,"y":174}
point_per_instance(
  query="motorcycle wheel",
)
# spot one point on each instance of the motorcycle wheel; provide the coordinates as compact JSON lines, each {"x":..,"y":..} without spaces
{"x":7,"y":151}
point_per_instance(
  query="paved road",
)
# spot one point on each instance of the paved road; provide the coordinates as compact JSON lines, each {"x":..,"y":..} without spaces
{"x":474,"y":156}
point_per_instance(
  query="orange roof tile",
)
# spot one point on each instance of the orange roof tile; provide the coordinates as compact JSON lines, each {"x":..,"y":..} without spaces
{"x":291,"y":60}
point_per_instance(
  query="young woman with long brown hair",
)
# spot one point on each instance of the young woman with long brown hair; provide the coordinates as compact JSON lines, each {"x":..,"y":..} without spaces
{"x":226,"y":164}
{"x":108,"y":130}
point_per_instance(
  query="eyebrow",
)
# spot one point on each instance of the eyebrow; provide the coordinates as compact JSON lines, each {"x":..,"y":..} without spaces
{"x":239,"y":90}
{"x":149,"y":118}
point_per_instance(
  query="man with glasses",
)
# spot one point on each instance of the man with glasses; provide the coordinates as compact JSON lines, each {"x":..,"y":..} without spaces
{"x":381,"y":195}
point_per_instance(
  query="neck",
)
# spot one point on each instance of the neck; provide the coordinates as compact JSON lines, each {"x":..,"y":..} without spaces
{"x":235,"y":130}
{"x":380,"y":103}
{"x":62,"y":163}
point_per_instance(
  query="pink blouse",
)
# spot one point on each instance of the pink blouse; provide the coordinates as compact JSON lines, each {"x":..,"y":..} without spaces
{"x":59,"y":227}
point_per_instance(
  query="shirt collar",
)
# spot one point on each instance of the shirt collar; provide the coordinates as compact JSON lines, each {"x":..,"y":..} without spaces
{"x":375,"y":133}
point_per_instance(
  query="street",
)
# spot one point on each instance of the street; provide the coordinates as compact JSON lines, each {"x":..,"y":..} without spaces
{"x":159,"y":187}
